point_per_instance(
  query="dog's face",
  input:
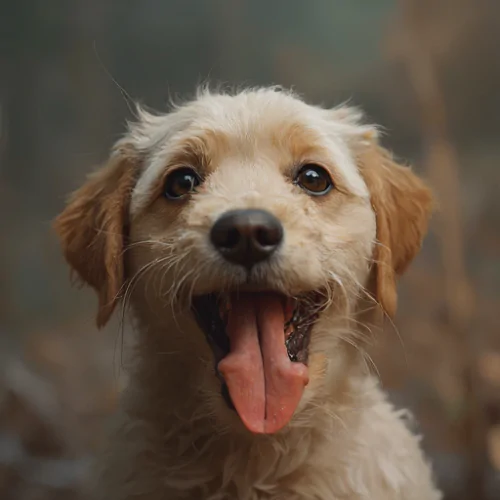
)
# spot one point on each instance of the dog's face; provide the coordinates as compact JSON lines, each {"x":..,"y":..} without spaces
{"x":263,"y":221}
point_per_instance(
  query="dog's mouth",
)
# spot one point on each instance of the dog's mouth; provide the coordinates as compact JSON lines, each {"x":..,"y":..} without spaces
{"x":260,"y":342}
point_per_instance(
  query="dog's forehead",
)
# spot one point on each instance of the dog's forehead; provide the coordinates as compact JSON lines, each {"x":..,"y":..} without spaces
{"x":245,"y":125}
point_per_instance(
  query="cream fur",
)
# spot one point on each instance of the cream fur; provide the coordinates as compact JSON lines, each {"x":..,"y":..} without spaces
{"x":240,"y":116}
{"x":174,"y":438}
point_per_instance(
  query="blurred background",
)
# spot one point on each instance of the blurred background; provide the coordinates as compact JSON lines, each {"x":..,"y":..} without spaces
{"x":427,"y":70}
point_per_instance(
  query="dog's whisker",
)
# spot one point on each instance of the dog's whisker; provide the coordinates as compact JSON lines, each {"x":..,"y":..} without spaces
{"x":394,"y":328}
{"x":164,"y":245}
{"x":129,"y":286}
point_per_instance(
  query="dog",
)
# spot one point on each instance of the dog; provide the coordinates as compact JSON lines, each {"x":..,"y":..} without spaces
{"x":256,"y":241}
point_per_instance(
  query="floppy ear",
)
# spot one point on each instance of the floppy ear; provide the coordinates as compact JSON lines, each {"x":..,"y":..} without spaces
{"x":93,"y":229}
{"x":402,"y":204}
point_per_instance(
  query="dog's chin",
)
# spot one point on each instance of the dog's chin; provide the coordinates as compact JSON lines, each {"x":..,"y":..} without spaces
{"x":260,"y":342}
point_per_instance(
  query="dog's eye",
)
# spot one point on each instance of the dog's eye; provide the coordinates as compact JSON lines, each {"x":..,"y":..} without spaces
{"x":180,"y":183}
{"x":314,"y":180}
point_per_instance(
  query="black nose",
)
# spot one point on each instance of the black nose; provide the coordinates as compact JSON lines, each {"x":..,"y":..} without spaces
{"x":246,"y":237}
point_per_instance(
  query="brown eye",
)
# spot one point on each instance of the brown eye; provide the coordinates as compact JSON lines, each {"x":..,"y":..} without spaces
{"x":314,"y":179}
{"x":181,"y":182}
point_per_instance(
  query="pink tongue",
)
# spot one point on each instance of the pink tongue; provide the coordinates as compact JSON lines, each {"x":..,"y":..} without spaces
{"x":264,"y":384}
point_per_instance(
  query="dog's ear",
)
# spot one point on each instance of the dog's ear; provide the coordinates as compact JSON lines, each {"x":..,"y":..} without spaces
{"x":402,"y":204}
{"x":93,"y":229}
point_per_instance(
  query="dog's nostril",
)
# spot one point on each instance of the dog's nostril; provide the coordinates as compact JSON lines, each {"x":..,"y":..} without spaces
{"x":246,"y":237}
{"x":268,"y":236}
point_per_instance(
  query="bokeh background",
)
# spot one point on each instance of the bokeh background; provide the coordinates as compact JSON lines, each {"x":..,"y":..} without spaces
{"x":427,"y":70}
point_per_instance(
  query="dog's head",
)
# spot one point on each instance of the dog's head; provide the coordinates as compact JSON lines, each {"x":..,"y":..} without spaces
{"x":255,"y":224}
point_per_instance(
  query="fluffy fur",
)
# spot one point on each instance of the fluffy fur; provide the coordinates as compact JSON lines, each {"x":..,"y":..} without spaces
{"x":174,"y":438}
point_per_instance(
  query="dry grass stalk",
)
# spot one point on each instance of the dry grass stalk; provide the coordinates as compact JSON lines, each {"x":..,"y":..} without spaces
{"x":442,"y":170}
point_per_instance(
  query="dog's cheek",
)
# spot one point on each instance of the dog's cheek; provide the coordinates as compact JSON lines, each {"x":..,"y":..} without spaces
{"x":347,"y":242}
{"x":302,"y":255}
{"x":300,"y":263}
{"x":151,"y":251}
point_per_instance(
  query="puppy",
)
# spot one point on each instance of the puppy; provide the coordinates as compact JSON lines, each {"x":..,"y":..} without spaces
{"x":255,"y":240}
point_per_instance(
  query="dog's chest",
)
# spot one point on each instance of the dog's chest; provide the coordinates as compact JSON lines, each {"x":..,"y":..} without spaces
{"x":267,"y":476}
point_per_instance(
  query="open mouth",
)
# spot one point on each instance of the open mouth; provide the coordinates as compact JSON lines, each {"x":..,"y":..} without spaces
{"x":260,"y":343}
